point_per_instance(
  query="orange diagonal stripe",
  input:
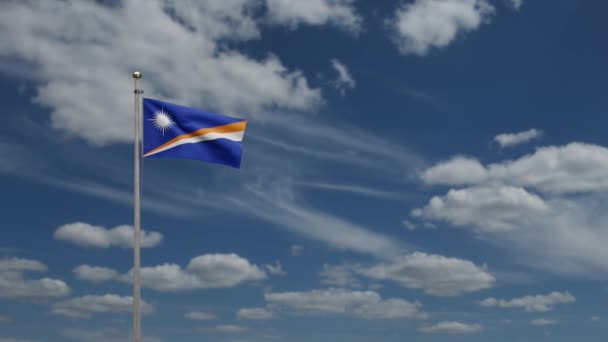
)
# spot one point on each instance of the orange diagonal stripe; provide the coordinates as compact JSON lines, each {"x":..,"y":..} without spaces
{"x":233,"y":127}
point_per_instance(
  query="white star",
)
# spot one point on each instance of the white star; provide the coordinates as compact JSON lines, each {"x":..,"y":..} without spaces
{"x":162,"y":121}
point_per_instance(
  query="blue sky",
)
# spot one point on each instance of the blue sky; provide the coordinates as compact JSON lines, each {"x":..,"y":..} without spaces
{"x":423,"y":170}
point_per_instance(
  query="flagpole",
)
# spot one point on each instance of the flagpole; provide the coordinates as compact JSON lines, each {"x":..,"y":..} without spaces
{"x":136,"y":212}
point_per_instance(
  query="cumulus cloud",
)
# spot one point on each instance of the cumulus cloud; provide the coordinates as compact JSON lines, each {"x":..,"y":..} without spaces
{"x":95,"y":274}
{"x":553,"y":198}
{"x":20,"y":264}
{"x":87,"y":235}
{"x":543,"y":321}
{"x":456,"y":171}
{"x":426,"y":24}
{"x":202,"y":272}
{"x":489,"y":208}
{"x":572,"y":168}
{"x":512,"y":139}
{"x":538,"y":303}
{"x":255,"y":314}
{"x":69,"y":45}
{"x":200,"y":316}
{"x":345,"y":80}
{"x":85,"y":306}
{"x":340,"y":13}
{"x":452,"y":328}
{"x":576,"y":167}
{"x":434,"y":274}
{"x":14,"y":284}
{"x":362,"y":304}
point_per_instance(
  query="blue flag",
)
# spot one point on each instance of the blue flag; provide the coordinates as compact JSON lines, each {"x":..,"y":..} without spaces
{"x":172,"y":131}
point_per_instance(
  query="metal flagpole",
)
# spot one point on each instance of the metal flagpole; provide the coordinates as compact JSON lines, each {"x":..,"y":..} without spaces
{"x":137,"y":218}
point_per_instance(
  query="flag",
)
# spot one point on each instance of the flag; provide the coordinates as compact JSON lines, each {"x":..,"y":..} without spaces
{"x":173,"y":131}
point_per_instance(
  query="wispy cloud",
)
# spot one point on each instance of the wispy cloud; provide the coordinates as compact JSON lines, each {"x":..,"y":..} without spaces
{"x":353,"y":189}
{"x":512,"y":139}
{"x":278,"y":205}
{"x":345,"y":80}
{"x":538,"y":303}
{"x":543,"y":321}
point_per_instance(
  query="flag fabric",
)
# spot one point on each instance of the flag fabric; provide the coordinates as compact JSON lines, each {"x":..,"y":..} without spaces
{"x":173,"y":131}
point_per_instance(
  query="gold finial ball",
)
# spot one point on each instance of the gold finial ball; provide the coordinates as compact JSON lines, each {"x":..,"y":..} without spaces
{"x":137,"y":74}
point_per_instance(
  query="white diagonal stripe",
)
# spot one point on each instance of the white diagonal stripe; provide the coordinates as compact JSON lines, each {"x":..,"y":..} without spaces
{"x":234,"y":136}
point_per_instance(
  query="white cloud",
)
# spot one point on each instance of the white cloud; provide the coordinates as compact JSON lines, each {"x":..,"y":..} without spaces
{"x":255,"y":314}
{"x":538,"y":303}
{"x":512,"y":139}
{"x":426,"y":24}
{"x":83,"y":307}
{"x":572,"y":168}
{"x":576,"y":167}
{"x":452,"y":328}
{"x":85,"y":85}
{"x":296,"y":250}
{"x":517,"y":4}
{"x":352,"y":189}
{"x":409,"y":225}
{"x":561,"y":232}
{"x":488,"y":208}
{"x":229,"y":19}
{"x":363,"y":304}
{"x":339,"y":276}
{"x":228,"y":328}
{"x":456,"y":171}
{"x":595,"y":318}
{"x":202,"y":272}
{"x":392,"y":308}
{"x":434,"y":274}
{"x":200,"y":316}
{"x":543,"y":321}
{"x":14,"y":285}
{"x":87,"y":235}
{"x":276,"y":269}
{"x":95,"y":274}
{"x":20,"y":264}
{"x":345,"y":80}
{"x":340,"y":13}
{"x":277,"y":204}
{"x":5,"y":319}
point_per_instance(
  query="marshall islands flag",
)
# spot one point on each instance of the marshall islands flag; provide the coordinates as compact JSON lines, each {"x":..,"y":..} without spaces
{"x":172,"y":131}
